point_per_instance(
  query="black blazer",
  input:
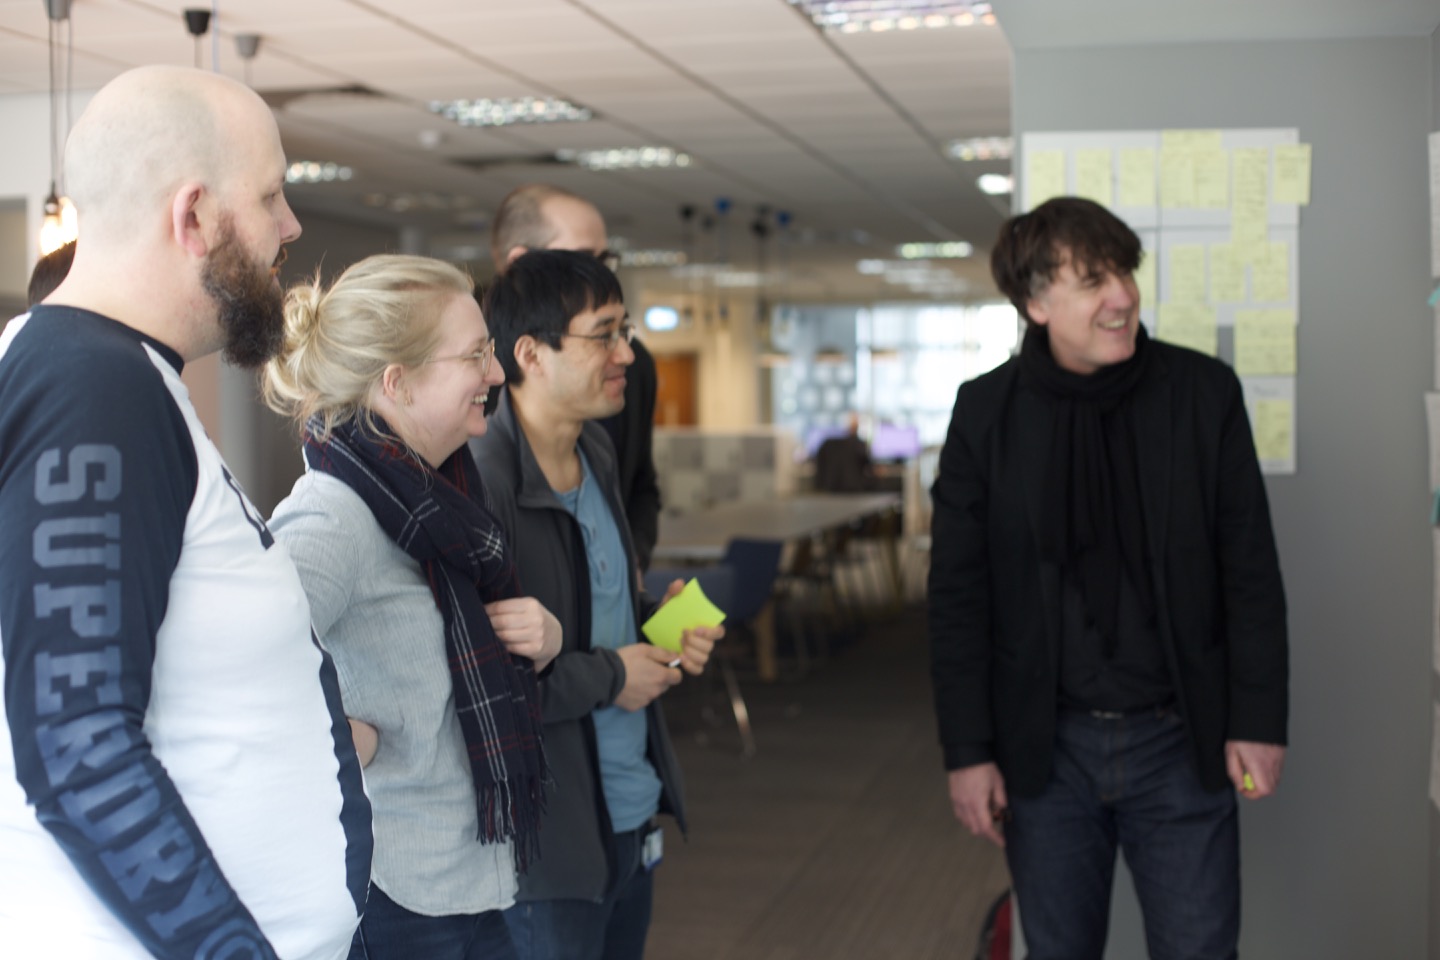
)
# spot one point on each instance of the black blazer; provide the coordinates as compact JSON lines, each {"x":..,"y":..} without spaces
{"x":634,"y":433}
{"x":995,"y":605}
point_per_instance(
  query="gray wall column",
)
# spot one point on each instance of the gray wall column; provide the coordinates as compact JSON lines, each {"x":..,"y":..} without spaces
{"x":1336,"y":864}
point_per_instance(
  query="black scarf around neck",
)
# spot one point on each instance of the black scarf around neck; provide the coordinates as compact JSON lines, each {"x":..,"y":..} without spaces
{"x":1094,"y":525}
{"x":438,"y":517}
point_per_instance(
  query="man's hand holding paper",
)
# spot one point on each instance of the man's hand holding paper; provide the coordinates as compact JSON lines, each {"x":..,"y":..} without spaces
{"x":686,"y":623}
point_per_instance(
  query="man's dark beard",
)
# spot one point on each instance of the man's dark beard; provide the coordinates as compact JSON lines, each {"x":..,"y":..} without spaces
{"x":251,"y":306}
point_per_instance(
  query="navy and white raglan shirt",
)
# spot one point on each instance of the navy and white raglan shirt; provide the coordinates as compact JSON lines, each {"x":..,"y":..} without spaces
{"x":176,"y":775}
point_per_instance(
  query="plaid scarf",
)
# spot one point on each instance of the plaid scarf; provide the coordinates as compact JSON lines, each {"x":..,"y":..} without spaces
{"x":441,"y":518}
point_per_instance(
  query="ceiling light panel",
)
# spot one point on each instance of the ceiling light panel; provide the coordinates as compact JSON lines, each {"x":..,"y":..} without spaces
{"x":951,"y":250}
{"x":996,"y":184}
{"x":316,"y":171}
{"x":981,"y":148}
{"x":894,"y":16}
{"x":510,"y":111}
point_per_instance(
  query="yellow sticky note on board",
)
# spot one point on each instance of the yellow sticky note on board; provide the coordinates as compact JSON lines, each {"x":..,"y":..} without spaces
{"x":1227,"y":274}
{"x":1249,"y":201}
{"x":1274,"y":438}
{"x":1045,"y":175}
{"x":1145,"y":279}
{"x":1184,"y":156}
{"x":1187,"y":273}
{"x":1265,"y":343}
{"x":1212,"y":179}
{"x":1190,"y":141}
{"x":1177,"y":179}
{"x":1270,"y":274}
{"x":688,"y":608}
{"x":1188,"y":325}
{"x":1094,"y":175}
{"x":1292,"y":174}
{"x":1137,"y":177}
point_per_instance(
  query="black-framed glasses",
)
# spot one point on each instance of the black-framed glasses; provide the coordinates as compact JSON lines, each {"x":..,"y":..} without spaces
{"x":483,"y":356}
{"x":610,"y":339}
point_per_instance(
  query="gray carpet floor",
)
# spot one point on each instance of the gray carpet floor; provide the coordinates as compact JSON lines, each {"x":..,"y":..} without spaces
{"x":836,"y":840}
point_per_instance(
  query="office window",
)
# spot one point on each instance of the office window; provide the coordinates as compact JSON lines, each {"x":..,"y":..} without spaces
{"x":890,"y":364}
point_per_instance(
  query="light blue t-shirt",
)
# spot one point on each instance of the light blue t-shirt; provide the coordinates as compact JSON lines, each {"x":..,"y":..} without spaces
{"x":632,"y":789}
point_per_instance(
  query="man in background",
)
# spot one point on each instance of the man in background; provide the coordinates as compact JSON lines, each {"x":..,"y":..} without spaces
{"x":842,"y":464}
{"x":541,"y":217}
{"x":176,"y":775}
{"x":1107,"y":618}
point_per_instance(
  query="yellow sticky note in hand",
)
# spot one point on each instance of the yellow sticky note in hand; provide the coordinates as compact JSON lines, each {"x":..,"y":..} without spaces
{"x":688,"y":608}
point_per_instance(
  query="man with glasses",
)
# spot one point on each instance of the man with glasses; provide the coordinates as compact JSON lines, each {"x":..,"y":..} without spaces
{"x":541,"y":217}
{"x":562,"y":333}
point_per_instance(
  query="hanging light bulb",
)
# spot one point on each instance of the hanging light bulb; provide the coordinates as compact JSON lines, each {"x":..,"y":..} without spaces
{"x":69,"y":219}
{"x":52,"y":230}
{"x":59,"y":223}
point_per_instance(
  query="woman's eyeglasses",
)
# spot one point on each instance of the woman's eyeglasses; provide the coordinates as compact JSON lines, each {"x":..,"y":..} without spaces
{"x":483,"y":356}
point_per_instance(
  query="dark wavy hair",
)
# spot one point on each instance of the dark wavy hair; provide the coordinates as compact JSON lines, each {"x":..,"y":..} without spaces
{"x":1032,"y":247}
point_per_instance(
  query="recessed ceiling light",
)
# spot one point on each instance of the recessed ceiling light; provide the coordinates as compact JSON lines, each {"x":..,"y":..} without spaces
{"x":662,"y":318}
{"x":881,"y":16}
{"x":952,"y":250}
{"x":313,"y":171}
{"x":508,"y":111}
{"x":625,"y":158}
{"x":652,"y":258}
{"x":738,"y":278}
{"x":981,"y":148}
{"x":995,"y":184}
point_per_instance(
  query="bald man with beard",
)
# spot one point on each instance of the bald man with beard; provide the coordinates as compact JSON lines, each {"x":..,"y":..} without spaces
{"x":176,"y":776}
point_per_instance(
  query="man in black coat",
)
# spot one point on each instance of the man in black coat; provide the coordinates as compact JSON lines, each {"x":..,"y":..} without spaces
{"x":1107,"y":616}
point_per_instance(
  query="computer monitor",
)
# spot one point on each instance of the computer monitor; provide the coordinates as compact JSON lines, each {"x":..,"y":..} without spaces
{"x":893,"y":441}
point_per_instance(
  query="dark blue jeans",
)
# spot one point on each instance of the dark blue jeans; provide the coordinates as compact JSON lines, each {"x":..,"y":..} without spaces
{"x":611,"y":929}
{"x":1129,"y":782}
{"x":390,"y":932}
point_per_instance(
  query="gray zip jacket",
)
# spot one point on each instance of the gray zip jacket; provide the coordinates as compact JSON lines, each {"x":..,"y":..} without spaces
{"x":577,"y":855}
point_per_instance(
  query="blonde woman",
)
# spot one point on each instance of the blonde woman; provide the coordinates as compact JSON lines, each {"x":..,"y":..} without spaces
{"x":413,"y":591}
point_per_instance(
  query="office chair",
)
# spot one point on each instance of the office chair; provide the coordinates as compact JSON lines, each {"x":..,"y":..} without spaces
{"x":741,"y":585}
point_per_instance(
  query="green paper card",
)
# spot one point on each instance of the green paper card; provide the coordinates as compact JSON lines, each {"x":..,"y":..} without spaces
{"x":688,"y":608}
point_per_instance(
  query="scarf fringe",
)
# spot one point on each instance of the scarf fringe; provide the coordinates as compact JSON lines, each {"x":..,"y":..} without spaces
{"x":501,"y":818}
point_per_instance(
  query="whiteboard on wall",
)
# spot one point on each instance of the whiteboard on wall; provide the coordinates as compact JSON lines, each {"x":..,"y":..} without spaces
{"x":1220,"y":253}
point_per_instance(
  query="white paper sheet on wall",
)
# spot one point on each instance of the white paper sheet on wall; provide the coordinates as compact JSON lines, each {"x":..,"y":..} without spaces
{"x":1218,"y":213}
{"x":1437,"y":342}
{"x":1435,"y":650}
{"x":1270,"y":402}
{"x":1435,"y":205}
{"x":1432,"y":422}
{"x":1435,"y":760}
